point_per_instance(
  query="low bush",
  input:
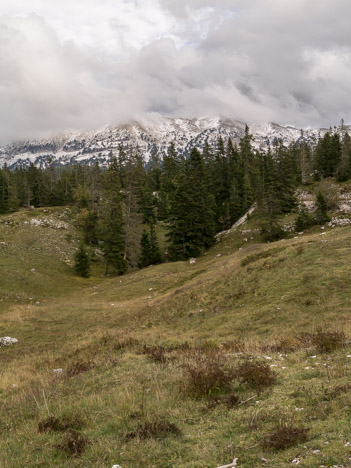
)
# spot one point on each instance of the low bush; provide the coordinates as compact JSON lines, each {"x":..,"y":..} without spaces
{"x":231,"y":401}
{"x":259,"y":255}
{"x":155,"y":353}
{"x":328,"y":341}
{"x":304,"y":220}
{"x":256,"y":374}
{"x":154,"y":429}
{"x":61,"y":424}
{"x":285,"y":435}
{"x":272,"y":231}
{"x":206,"y":373}
{"x":286,"y":345}
{"x":73,"y":443}
{"x":79,"y":366}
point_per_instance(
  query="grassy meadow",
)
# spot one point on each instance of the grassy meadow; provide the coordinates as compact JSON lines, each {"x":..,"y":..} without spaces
{"x":245,"y":354}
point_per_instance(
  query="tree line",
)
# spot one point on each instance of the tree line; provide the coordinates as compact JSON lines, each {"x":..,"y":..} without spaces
{"x":193,"y":196}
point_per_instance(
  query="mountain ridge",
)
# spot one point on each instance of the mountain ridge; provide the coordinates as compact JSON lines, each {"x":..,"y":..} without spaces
{"x":155,"y":135}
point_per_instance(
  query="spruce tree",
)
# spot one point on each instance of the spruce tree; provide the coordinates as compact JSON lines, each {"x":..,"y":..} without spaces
{"x":155,"y":255}
{"x":134,"y":182}
{"x":4,"y":193}
{"x":304,"y":220}
{"x":112,"y":232}
{"x":150,"y":252}
{"x":328,"y":155}
{"x":321,"y":213}
{"x":144,"y":259}
{"x":220,"y":183}
{"x":192,"y":224}
{"x":171,"y":168}
{"x":90,"y":221}
{"x":268,"y":199}
{"x":304,"y":158}
{"x":287,"y":176}
{"x":343,"y":171}
{"x":82,"y":262}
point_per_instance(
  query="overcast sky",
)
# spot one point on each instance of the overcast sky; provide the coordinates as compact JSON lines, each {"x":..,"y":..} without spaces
{"x":82,"y":64}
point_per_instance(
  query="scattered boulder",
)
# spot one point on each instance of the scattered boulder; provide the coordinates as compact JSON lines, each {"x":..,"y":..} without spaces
{"x":231,"y":465}
{"x":7,"y":341}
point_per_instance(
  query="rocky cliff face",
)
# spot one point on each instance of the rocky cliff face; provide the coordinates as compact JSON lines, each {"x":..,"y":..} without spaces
{"x":99,"y":146}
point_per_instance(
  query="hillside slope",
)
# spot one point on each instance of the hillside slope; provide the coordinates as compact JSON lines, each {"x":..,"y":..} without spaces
{"x":133,"y":354}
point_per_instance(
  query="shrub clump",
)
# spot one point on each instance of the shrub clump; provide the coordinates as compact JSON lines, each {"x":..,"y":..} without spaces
{"x":155,"y":429}
{"x":64,"y":423}
{"x":78,"y":367}
{"x":285,"y":435}
{"x":155,"y":353}
{"x":328,"y":341}
{"x":256,"y":374}
{"x":231,"y":401}
{"x":206,"y":373}
{"x":286,"y":345}
{"x":271,"y":231}
{"x":73,"y":443}
{"x":259,"y":255}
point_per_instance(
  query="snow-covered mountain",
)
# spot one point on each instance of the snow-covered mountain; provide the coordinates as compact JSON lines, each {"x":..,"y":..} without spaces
{"x":100,"y":146}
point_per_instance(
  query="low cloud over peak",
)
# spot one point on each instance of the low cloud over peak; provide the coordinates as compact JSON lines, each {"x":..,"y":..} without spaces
{"x":263,"y":60}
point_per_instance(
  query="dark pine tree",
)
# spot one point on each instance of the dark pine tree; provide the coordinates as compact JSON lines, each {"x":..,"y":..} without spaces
{"x":192,"y":222}
{"x":155,"y":255}
{"x":82,"y":262}
{"x":171,"y":168}
{"x":321,"y":213}
{"x":90,"y":227}
{"x":328,"y":155}
{"x":144,"y":259}
{"x":343,"y":171}
{"x":4,"y":193}
{"x":112,"y":221}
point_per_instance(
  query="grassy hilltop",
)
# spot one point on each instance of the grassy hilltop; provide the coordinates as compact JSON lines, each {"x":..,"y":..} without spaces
{"x":244,"y":354}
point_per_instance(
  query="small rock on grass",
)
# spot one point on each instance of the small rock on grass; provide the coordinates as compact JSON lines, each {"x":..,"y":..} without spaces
{"x":7,"y":341}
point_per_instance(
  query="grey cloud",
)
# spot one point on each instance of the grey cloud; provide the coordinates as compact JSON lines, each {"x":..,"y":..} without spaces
{"x":258,"y":60}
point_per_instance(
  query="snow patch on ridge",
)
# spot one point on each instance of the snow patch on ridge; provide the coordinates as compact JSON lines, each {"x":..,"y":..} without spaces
{"x":147,"y":137}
